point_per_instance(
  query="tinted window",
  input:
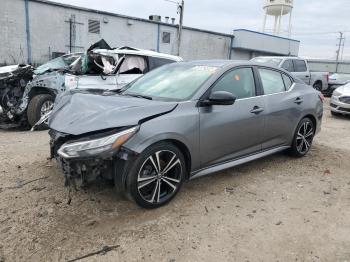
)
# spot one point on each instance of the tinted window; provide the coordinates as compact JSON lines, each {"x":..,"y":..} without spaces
{"x":299,"y":66}
{"x":287,"y":81}
{"x":288,"y":65}
{"x":155,"y":62}
{"x":272,"y":81}
{"x":239,"y":82}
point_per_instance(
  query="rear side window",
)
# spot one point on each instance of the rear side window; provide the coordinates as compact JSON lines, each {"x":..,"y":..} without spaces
{"x":288,"y":65}
{"x":155,"y":62}
{"x":299,"y":66}
{"x":272,"y":81}
{"x":239,"y":82}
{"x":287,"y":81}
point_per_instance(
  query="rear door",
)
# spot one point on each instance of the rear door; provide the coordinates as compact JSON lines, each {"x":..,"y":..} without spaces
{"x":232,"y":131}
{"x":301,"y":71}
{"x":282,"y":110}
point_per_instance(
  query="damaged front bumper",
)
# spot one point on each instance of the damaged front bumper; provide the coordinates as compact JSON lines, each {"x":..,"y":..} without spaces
{"x":13,"y":80}
{"x":81,"y":170}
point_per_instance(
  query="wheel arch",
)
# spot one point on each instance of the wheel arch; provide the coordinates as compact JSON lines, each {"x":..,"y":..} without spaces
{"x":184,"y":150}
{"x":38,"y":90}
{"x":312,"y":118}
{"x":318,"y":82}
{"x":173,"y":138}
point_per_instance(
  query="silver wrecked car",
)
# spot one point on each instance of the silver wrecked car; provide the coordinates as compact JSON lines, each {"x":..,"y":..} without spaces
{"x":340,"y":101}
{"x":182,"y":121}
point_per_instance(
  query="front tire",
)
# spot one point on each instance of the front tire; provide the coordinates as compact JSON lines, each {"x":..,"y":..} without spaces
{"x":335,"y":113}
{"x":38,"y":106}
{"x":303,"y":138}
{"x":156,"y":176}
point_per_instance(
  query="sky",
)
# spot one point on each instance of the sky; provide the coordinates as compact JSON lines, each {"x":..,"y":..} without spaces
{"x":315,"y":23}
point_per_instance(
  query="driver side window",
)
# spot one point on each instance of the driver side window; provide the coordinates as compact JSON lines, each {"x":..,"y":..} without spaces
{"x":239,"y":82}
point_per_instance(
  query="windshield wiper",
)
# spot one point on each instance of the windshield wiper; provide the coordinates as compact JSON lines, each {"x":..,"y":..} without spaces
{"x":139,"y":96}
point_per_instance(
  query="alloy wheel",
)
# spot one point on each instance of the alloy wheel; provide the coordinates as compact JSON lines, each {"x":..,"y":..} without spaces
{"x":159,"y":177}
{"x":46,"y":108}
{"x":304,"y":137}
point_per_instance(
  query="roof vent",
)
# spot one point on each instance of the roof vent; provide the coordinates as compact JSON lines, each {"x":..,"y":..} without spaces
{"x":155,"y":18}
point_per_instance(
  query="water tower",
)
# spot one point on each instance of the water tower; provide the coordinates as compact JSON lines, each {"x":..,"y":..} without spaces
{"x":278,"y":9}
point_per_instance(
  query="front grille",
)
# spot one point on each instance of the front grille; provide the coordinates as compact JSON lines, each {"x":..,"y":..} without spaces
{"x":333,"y":105}
{"x":344,"y":109}
{"x":345,"y":99}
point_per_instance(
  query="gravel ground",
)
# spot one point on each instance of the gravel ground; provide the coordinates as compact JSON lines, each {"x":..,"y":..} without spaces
{"x":274,"y":209}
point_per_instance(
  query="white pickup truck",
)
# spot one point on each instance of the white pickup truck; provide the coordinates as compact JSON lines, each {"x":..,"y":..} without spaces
{"x":299,"y":68}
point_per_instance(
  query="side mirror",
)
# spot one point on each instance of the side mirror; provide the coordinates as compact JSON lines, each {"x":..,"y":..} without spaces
{"x":219,"y":98}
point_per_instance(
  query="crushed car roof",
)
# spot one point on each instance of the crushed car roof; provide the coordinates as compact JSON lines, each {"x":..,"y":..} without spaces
{"x":137,"y":51}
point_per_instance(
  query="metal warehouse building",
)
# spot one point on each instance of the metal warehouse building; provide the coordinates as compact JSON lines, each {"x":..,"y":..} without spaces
{"x":34,"y":31}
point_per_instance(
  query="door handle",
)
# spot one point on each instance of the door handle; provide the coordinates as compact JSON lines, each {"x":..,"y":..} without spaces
{"x":257,"y":110}
{"x":298,"y":101}
{"x":307,"y":76}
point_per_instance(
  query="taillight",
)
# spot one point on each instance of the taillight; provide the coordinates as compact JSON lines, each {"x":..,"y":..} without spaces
{"x":321,"y":96}
{"x":327,"y":78}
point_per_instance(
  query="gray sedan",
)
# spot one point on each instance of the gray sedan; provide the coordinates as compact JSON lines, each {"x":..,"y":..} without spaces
{"x":182,"y":121}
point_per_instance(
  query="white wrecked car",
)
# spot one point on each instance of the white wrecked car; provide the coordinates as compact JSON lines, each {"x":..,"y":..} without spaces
{"x":100,"y":68}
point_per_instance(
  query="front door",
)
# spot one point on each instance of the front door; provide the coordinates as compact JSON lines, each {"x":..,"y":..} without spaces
{"x":97,"y":82}
{"x":231,"y":131}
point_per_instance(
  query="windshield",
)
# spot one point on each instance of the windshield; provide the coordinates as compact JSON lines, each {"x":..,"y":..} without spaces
{"x":57,"y":63}
{"x":268,"y":60}
{"x":174,"y":82}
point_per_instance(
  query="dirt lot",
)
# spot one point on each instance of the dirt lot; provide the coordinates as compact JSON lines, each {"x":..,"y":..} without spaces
{"x":273,"y":209}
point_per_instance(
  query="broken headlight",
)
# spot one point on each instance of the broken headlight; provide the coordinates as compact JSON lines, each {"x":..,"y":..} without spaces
{"x":96,"y":146}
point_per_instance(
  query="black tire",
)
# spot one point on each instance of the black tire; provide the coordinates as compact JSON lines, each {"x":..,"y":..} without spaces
{"x":142,"y":187}
{"x":318,"y":86}
{"x":335,"y":113}
{"x":34,"y":111}
{"x":302,"y":140}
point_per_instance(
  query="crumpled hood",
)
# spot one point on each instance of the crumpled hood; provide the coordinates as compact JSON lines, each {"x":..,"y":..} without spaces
{"x":79,"y":113}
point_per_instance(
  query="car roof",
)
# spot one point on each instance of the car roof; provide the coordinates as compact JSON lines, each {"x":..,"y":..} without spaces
{"x":227,"y":63}
{"x":278,"y":57}
{"x":136,"y":51}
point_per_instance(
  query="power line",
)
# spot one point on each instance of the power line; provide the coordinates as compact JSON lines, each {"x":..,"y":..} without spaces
{"x":318,"y":33}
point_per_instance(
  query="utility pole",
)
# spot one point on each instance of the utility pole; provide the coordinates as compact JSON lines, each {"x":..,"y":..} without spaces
{"x":341,"y":38}
{"x":181,"y":8}
{"x":342,"y":51}
{"x":180,"y":11}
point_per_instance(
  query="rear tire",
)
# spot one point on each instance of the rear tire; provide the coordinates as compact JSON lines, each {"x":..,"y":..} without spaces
{"x":37,"y":107}
{"x":156,"y":176}
{"x":318,"y":86}
{"x":303,"y":138}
